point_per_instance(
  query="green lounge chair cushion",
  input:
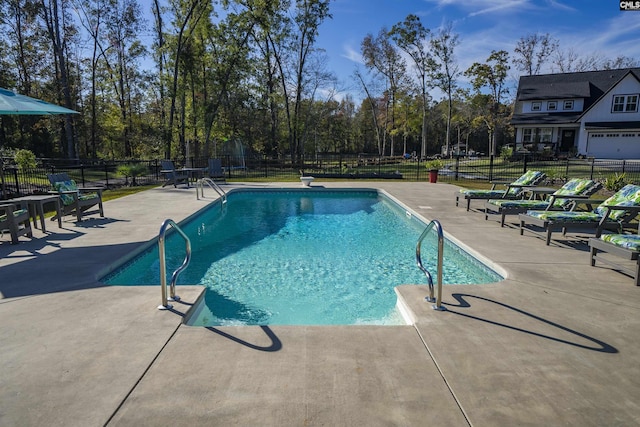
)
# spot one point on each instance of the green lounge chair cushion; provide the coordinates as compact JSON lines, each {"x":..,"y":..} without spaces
{"x":528,"y":178}
{"x":484,"y":193}
{"x":628,"y":196}
{"x":68,"y":199}
{"x":528,"y":204}
{"x":627,"y":241}
{"x":16,"y":213}
{"x":573,"y":187}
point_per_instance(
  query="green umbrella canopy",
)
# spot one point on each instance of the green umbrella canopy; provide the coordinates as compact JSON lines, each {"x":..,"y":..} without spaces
{"x":13,"y":103}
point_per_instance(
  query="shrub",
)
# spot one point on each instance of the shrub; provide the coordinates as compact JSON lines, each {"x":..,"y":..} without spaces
{"x":506,"y":153}
{"x":434,"y":164}
{"x":131,"y":170}
{"x":25,"y":159}
{"x":615,"y":182}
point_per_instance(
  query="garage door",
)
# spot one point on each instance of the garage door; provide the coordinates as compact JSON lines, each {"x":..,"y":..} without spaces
{"x":614,"y":145}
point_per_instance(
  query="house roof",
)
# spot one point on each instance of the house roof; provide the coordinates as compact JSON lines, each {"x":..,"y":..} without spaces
{"x":545,"y":118}
{"x":555,"y":89}
{"x":588,"y":85}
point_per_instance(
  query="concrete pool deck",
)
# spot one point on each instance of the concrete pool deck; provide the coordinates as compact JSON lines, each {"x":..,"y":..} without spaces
{"x":556,"y":343}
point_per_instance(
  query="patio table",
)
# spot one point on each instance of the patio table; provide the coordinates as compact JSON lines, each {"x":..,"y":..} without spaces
{"x":540,"y":192}
{"x":35,"y":204}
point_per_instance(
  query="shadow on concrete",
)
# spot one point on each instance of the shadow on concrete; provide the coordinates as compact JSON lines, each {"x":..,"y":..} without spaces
{"x":599,"y":346}
{"x":36,"y":273}
{"x":276,"y":344}
{"x":97,"y":222}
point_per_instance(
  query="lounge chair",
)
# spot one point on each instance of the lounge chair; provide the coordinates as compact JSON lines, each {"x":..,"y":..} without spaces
{"x":76,"y":200}
{"x":16,"y":219}
{"x":173,"y":176}
{"x":514,"y":190}
{"x":215,"y":170}
{"x":615,"y":212}
{"x":626,"y":246}
{"x":574,"y":188}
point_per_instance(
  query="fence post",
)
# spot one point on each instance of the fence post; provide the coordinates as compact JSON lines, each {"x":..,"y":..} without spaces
{"x":624,"y":164}
{"x":593,"y":162}
{"x":266,"y":166}
{"x":106,"y":173}
{"x":82,"y":174}
{"x":524,"y":164}
{"x":491,"y":167}
{"x":15,"y":175}
{"x":457,"y":168}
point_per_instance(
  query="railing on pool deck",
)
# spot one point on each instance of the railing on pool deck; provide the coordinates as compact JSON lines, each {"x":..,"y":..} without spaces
{"x":211,"y":183}
{"x":163,"y":264}
{"x":430,"y":298}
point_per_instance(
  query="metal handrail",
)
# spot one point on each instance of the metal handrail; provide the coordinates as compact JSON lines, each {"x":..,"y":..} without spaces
{"x":163,"y":264}
{"x":430,"y":298}
{"x":211,"y":183}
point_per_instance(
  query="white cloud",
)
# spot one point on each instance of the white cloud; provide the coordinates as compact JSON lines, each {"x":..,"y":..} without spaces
{"x":348,"y":52}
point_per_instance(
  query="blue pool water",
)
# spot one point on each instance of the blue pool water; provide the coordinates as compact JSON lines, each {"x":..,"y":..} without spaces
{"x":300,"y":257}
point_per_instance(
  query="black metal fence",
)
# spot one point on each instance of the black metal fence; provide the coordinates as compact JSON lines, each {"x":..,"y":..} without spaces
{"x":17,"y":181}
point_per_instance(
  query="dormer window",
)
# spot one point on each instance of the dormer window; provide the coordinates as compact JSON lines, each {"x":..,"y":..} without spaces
{"x":568,"y":105}
{"x":536,"y":106}
{"x":625,"y":104}
{"x":552,"y":105}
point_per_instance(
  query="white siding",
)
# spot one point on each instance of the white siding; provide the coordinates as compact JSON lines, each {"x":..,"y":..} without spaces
{"x":611,"y":147}
{"x":601,"y":112}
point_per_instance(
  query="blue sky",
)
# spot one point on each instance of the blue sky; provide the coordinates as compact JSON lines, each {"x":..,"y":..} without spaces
{"x":586,"y":26}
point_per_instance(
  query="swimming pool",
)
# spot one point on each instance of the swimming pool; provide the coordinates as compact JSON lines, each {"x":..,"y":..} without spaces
{"x":301,"y":256}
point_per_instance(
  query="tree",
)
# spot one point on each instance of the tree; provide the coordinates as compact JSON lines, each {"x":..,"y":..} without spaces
{"x":60,"y":29}
{"x":569,"y":61}
{"x":446,"y":71}
{"x":309,"y":14}
{"x":492,"y":75}
{"x":533,"y":51}
{"x":380,"y":55}
{"x":186,"y":18}
{"x":411,"y":37}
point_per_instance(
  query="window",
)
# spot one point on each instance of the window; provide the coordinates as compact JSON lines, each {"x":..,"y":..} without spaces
{"x":552,"y":105}
{"x":531,"y":135}
{"x":535,"y":106}
{"x":632,"y":103}
{"x":625,"y":104}
{"x":544,"y":134}
{"x":568,"y":105}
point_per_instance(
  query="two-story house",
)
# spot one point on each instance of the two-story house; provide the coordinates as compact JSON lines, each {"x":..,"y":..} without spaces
{"x":593,"y":114}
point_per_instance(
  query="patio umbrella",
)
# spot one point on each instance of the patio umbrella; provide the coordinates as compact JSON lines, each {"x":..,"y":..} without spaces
{"x":12,"y":103}
{"x":15,"y":104}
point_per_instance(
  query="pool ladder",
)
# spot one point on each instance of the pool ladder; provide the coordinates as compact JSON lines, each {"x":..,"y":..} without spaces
{"x":437,"y":300}
{"x":163,"y":264}
{"x":212,"y":184}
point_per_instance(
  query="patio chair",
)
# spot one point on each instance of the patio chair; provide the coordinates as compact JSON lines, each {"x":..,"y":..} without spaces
{"x":215,"y":170}
{"x":625,"y":246}
{"x":616,"y":212}
{"x":76,"y":200}
{"x":514,"y":190}
{"x":575,"y":188}
{"x":173,"y":176}
{"x":16,"y":219}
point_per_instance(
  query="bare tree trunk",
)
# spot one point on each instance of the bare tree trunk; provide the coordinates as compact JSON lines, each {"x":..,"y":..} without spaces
{"x":51,"y":16}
